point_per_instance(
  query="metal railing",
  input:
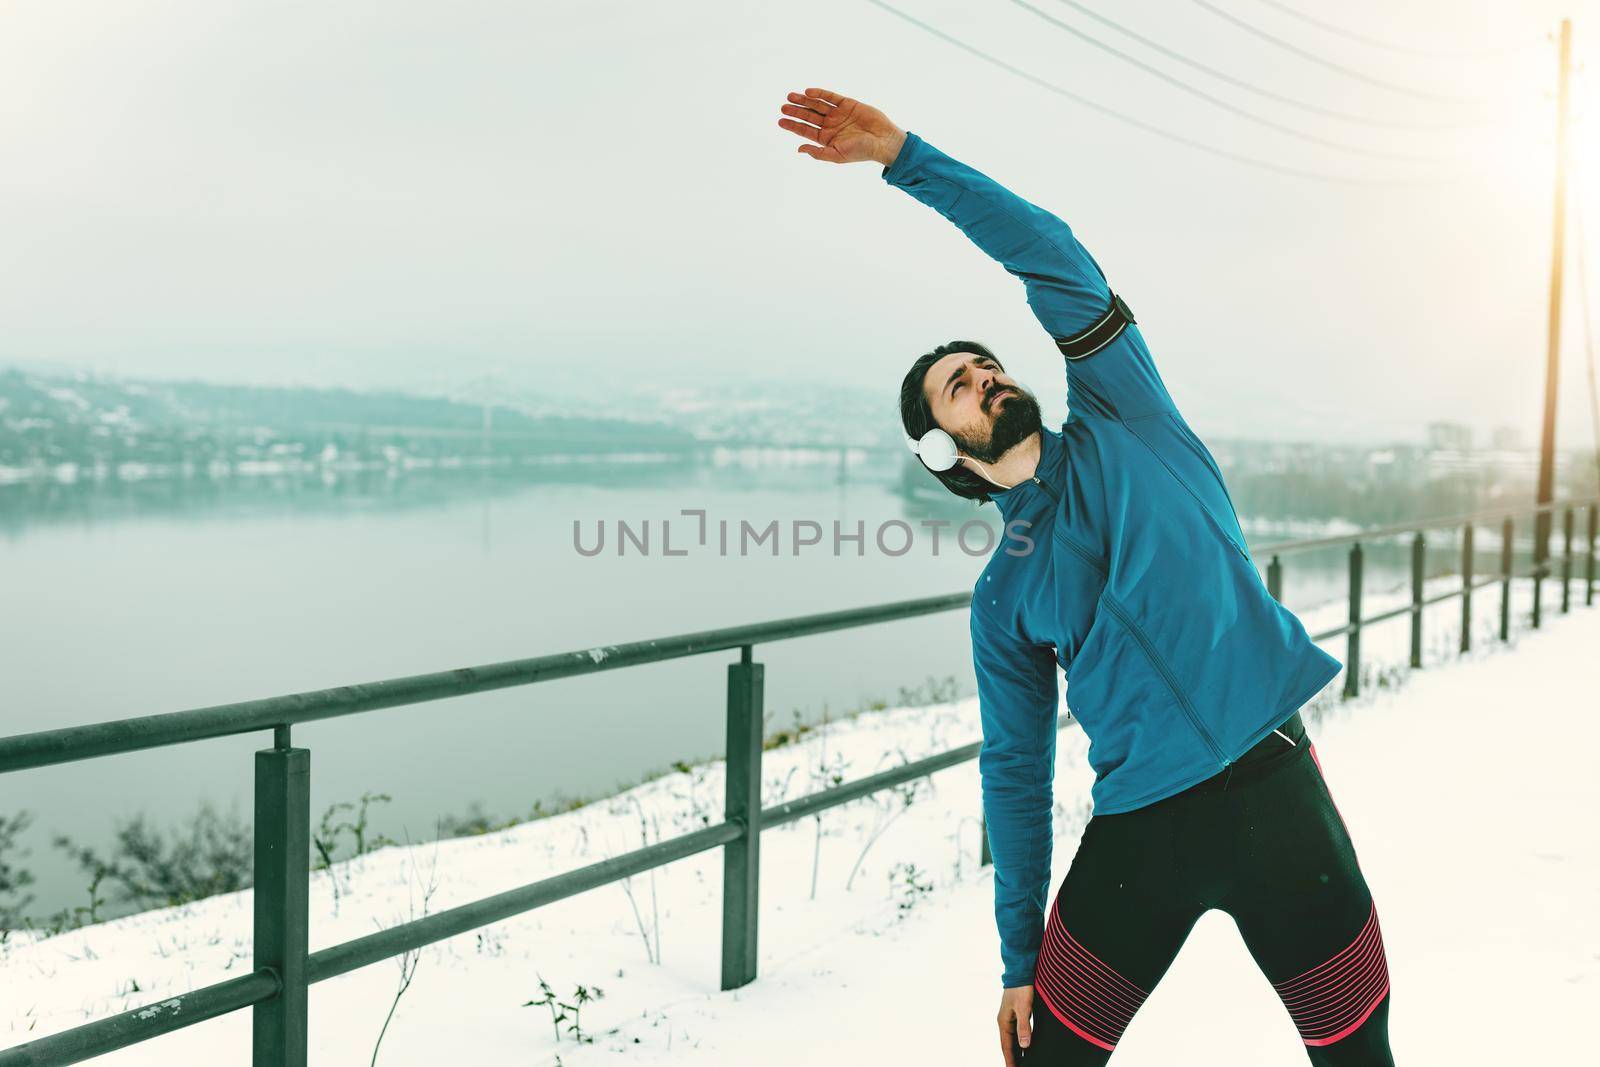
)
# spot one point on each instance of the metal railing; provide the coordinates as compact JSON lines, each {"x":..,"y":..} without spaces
{"x":284,"y":969}
{"x":1539,"y":570}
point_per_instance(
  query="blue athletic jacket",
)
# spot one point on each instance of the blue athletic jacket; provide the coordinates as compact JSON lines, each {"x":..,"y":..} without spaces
{"x":1121,"y":562}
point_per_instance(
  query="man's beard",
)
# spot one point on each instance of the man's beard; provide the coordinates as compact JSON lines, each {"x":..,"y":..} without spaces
{"x":1019,"y":417}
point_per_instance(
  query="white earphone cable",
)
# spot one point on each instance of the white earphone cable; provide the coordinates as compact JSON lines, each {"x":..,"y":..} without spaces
{"x":986,"y":473}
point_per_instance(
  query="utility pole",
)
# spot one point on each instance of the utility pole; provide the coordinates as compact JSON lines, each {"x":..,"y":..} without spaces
{"x":1547,"y":443}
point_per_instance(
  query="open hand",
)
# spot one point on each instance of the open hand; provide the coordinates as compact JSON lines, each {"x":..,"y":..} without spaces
{"x":1016,"y":1022}
{"x":843,"y":130}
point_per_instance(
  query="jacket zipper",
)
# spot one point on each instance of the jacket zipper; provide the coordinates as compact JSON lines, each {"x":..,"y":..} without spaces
{"x":1149,"y":649}
{"x":1215,"y":522}
{"x":1161,"y":666}
{"x":1138,"y":634}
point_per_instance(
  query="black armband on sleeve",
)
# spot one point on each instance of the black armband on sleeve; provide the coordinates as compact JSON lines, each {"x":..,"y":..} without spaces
{"x":1108,"y":328}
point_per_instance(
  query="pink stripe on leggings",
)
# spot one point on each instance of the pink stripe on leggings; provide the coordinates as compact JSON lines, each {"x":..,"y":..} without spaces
{"x":1331,"y":1000}
{"x":1087,"y":995}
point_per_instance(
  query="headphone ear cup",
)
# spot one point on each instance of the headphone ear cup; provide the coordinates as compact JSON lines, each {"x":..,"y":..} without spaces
{"x":938,"y":450}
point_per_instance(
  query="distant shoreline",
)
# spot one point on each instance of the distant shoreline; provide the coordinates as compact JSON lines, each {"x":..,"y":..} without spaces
{"x":74,"y":473}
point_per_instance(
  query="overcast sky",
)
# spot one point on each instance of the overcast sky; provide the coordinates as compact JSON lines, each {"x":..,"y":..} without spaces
{"x":415,"y":194}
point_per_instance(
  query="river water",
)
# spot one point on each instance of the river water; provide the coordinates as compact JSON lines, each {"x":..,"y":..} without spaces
{"x":128,"y":600}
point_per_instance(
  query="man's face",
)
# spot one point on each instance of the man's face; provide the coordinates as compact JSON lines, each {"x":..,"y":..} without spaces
{"x":982,"y":407}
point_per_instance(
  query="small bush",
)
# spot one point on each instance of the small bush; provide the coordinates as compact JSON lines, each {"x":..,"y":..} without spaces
{"x":912,"y":884}
{"x":213,"y":853}
{"x":329,"y":830}
{"x":566,"y":1012}
{"x":13,"y":879}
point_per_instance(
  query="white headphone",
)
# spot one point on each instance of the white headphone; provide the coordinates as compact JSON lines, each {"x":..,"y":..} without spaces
{"x":938,"y":452}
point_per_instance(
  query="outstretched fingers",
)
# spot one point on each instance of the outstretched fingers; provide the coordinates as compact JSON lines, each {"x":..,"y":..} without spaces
{"x":801,"y":128}
{"x":820,"y":150}
{"x":813,"y":103}
{"x":804,"y":114}
{"x":814,"y":116}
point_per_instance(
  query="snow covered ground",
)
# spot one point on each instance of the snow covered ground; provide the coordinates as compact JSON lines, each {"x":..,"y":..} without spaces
{"x":1470,"y":788}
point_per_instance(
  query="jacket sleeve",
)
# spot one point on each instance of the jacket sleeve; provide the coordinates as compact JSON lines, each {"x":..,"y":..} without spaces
{"x":1018,"y":703}
{"x":1065,"y":287}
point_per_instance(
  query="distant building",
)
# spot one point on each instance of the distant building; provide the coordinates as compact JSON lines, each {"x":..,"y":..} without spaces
{"x":1505,"y":438}
{"x":1451,"y":436}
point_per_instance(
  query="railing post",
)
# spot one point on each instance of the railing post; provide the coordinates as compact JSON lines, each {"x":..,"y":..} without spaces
{"x":1466,"y":588}
{"x":282,"y":886}
{"x":1507,"y":534}
{"x":1540,"y":554}
{"x":1566,"y":561}
{"x":1588,"y":564}
{"x":1352,"y":659}
{"x":1419,"y":550}
{"x":1275,"y":579}
{"x":741,"y":858}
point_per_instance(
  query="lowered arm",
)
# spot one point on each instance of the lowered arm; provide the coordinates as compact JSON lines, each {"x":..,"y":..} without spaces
{"x":1018,"y":704}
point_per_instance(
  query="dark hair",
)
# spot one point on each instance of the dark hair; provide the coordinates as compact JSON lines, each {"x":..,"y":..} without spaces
{"x":917,"y":418}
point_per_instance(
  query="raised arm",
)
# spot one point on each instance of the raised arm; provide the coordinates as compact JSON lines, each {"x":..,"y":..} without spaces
{"x":1066,"y":289}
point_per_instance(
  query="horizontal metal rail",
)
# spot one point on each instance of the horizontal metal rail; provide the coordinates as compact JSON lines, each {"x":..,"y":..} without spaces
{"x":141,"y":1024}
{"x":374,"y":948}
{"x":47,"y":747}
{"x":353,"y":955}
{"x":1439,"y":598}
{"x":1378,"y":533}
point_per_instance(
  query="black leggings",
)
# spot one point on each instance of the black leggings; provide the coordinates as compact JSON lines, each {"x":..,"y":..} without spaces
{"x":1262,"y":841}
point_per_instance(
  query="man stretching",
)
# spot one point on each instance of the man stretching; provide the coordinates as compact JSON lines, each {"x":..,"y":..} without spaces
{"x":1123,"y":565}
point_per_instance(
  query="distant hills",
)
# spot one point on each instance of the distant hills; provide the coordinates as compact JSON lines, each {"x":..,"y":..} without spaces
{"x":101,"y":423}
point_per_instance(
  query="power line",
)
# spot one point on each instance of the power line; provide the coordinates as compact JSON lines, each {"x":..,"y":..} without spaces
{"x":1219,"y":102}
{"x":1159,"y":131}
{"x":1485,"y":53}
{"x":1330,"y":64}
{"x":1269,"y":94}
